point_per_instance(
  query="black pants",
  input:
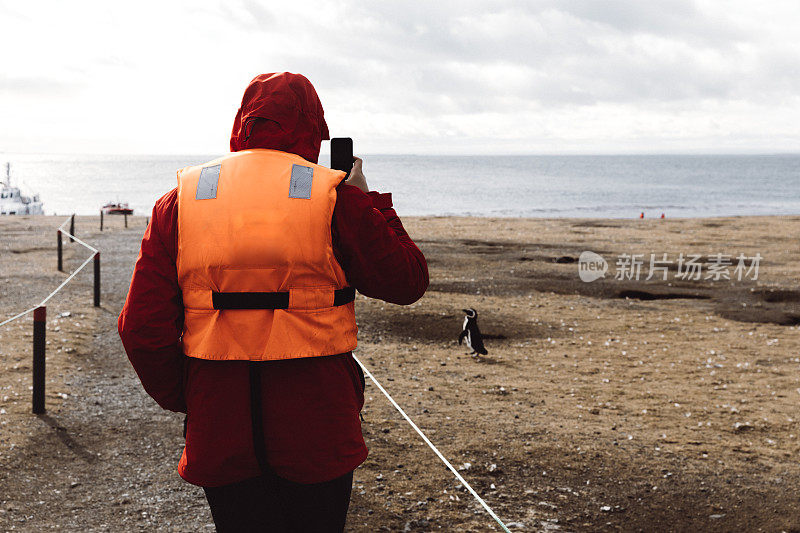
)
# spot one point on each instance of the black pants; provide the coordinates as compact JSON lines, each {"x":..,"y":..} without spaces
{"x":272,"y":504}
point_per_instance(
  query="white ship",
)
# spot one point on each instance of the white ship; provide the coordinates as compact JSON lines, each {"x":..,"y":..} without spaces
{"x":13,"y":202}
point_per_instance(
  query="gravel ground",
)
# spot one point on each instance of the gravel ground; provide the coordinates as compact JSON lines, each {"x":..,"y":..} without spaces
{"x":104,"y":456}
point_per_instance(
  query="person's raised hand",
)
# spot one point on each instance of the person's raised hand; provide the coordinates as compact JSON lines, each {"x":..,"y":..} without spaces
{"x":356,"y":177}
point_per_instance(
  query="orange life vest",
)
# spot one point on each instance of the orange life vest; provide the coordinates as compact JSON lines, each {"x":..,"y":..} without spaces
{"x":255,"y":259}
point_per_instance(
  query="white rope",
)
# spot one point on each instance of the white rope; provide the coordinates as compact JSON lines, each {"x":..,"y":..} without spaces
{"x":68,"y":234}
{"x":13,"y":318}
{"x":435,"y":450}
{"x":73,"y":237}
{"x":67,"y":280}
{"x":74,"y":273}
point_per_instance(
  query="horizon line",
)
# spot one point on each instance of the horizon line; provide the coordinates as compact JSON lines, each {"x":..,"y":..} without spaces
{"x":410,"y":154}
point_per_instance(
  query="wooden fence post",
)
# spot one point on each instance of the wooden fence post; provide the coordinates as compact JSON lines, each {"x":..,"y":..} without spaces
{"x":60,"y":252}
{"x":126,"y":220}
{"x":71,"y":228}
{"x":101,"y":220}
{"x":97,"y":279}
{"x":39,"y":342}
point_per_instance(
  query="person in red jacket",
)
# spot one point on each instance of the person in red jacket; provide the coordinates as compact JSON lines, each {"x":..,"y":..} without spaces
{"x":310,"y":433}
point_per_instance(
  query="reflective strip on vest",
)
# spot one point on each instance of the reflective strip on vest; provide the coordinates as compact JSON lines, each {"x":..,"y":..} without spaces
{"x":258,"y":222}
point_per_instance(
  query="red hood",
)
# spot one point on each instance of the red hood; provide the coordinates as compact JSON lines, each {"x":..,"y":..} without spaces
{"x":280,"y":111}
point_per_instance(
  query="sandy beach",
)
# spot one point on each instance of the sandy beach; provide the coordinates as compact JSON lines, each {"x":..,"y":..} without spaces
{"x":617,"y":404}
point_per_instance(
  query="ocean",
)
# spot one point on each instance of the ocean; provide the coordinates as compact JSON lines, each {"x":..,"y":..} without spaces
{"x":617,"y":186}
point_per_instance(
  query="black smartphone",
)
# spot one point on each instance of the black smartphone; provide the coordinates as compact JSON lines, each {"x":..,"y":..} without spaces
{"x":342,"y":154}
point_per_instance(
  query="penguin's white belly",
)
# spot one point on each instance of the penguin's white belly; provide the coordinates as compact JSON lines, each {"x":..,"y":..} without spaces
{"x":465,"y":328}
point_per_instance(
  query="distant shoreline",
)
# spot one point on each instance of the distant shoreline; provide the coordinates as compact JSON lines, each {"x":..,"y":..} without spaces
{"x":788,"y":216}
{"x":326,"y":154}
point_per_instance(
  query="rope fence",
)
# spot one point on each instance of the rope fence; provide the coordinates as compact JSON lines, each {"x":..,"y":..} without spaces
{"x":40,"y":310}
{"x":432,"y":447}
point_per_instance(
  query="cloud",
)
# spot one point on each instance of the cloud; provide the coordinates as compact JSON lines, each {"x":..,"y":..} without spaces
{"x":248,"y":14}
{"x":499,"y":73}
{"x":576,"y":54}
{"x":25,"y":87}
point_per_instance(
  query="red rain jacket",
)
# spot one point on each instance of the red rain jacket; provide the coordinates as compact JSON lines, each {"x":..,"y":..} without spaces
{"x":310,"y":406}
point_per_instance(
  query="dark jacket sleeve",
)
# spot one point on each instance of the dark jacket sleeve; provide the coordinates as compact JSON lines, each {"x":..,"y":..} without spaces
{"x":376,"y":253}
{"x":151,"y":321}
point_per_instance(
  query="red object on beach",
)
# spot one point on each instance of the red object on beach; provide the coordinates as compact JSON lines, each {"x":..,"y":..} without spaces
{"x":662,"y":215}
{"x":112,"y":208}
{"x":641,"y":215}
{"x":310,"y":406}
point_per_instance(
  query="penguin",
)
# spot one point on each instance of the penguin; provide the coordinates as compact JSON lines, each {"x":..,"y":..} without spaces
{"x":472,"y":333}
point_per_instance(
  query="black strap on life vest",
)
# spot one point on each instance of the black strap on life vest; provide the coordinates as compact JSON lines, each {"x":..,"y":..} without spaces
{"x":270,"y":300}
{"x":256,"y":417}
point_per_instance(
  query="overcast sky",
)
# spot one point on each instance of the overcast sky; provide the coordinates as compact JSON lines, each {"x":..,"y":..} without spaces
{"x":549,"y":76}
